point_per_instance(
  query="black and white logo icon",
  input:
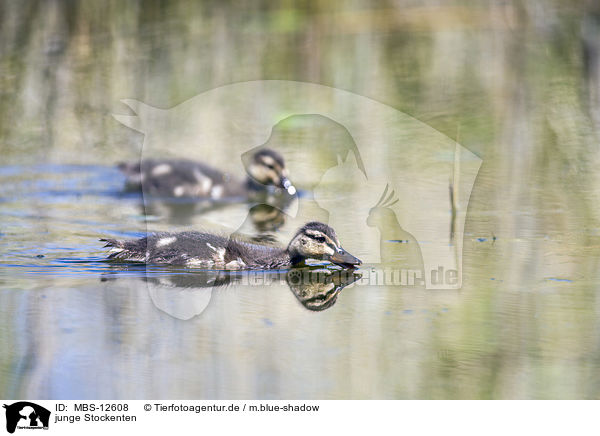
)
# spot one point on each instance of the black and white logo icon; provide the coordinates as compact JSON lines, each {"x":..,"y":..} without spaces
{"x":26,"y":415}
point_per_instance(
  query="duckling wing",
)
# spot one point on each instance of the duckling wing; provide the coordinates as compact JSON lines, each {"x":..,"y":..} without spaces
{"x":197,"y":249}
{"x":194,"y":249}
{"x":188,"y":248}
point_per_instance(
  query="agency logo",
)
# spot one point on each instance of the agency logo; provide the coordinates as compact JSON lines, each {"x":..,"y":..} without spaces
{"x":395,"y":189}
{"x":26,"y":415}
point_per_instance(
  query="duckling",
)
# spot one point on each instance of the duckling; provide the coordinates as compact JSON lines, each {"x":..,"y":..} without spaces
{"x":190,"y":179}
{"x":314,"y":240}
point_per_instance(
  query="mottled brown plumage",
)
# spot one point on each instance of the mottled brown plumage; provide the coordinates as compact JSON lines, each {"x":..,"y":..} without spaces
{"x":205,"y":250}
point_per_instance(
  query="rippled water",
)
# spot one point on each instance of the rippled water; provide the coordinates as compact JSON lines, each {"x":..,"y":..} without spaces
{"x":517,"y":84}
{"x":80,"y":327}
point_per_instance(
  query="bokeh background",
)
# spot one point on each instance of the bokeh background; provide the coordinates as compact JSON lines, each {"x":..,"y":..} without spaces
{"x":516,"y":82}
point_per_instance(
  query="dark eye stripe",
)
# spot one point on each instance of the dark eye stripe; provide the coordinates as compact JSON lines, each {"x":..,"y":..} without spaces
{"x":269,"y":164}
{"x":322,"y":240}
{"x":318,"y":238}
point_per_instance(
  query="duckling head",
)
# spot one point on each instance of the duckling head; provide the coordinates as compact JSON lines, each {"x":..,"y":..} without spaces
{"x":316,"y":240}
{"x":268,"y":168}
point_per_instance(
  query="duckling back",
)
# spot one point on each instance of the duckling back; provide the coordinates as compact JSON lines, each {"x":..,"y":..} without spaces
{"x":179,"y":178}
{"x":199,"y":250}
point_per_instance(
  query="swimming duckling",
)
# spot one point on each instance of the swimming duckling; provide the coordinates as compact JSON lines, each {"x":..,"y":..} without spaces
{"x":314,"y":240}
{"x":189,"y":179}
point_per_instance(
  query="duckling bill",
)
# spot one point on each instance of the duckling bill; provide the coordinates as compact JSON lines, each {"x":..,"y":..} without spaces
{"x":314,"y":240}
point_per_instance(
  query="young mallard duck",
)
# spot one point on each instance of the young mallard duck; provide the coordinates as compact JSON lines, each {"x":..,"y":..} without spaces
{"x":314,"y":240}
{"x":189,"y":179}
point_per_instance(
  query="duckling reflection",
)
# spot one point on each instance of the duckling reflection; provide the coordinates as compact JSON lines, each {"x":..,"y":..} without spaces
{"x":319,"y":290}
{"x":187,"y":295}
{"x":177,"y":212}
{"x":263,"y":220}
{"x":265,"y":217}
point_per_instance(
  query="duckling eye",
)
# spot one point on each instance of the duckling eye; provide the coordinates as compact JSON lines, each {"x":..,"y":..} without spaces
{"x":320,"y":239}
{"x":271,"y":167}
